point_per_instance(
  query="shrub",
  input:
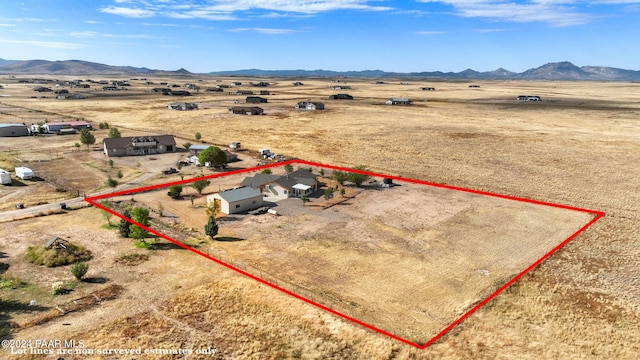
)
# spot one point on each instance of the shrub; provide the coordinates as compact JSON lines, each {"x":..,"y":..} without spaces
{"x":79,"y":269}
{"x":38,"y":255}
{"x":58,"y":288}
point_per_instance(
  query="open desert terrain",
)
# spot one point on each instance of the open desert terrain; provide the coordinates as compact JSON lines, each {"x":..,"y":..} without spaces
{"x":579,"y":146}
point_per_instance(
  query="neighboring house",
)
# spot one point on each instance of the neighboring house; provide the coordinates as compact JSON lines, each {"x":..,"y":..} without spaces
{"x":474,"y":86}
{"x":427,"y":89}
{"x":110,"y":88}
{"x":61,"y":91}
{"x":246,"y":110}
{"x":237,"y":200}
{"x":255,"y":100}
{"x":265,"y":92}
{"x":309,"y":105}
{"x":196,"y":149}
{"x":55,"y":127}
{"x":164,"y":91}
{"x":139,"y":145}
{"x":215,"y":89}
{"x":180,"y":93}
{"x":298,"y":83}
{"x":529,"y":98}
{"x":182,"y":106}
{"x":342,"y":87}
{"x":244,"y":92}
{"x":399,"y":101}
{"x":341,"y":97}
{"x":275,"y":188}
{"x":11,"y":130}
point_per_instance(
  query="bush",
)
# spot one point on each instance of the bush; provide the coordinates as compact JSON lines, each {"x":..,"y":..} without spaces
{"x":38,"y":255}
{"x":79,"y":269}
{"x":58,"y":288}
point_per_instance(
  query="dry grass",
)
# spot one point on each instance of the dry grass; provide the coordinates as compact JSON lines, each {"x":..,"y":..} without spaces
{"x":579,"y":146}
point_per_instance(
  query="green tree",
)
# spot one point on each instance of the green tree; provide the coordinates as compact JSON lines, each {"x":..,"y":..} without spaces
{"x":79,"y":269}
{"x":114,"y":133}
{"x":140,"y":215}
{"x":321,"y":172}
{"x":288,"y":168}
{"x":107,"y":215}
{"x":304,"y":199}
{"x":87,"y":138}
{"x":328,"y":193}
{"x":124,"y":225}
{"x":112,"y":183}
{"x":199,"y":185}
{"x":198,"y":136}
{"x":211,"y":228}
{"x":358,"y":178}
{"x":342,"y":192}
{"x":175,"y":191}
{"x":187,"y":145}
{"x":340,"y":176}
{"x":119,"y":174}
{"x":111,"y":163}
{"x":265,"y":171}
{"x":214,"y":156}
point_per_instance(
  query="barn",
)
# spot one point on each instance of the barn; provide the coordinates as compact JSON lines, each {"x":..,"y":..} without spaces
{"x":237,"y":200}
{"x":11,"y":130}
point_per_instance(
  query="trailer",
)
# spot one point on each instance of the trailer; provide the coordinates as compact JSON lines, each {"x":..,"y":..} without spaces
{"x":5,"y":177}
{"x":24,"y":173}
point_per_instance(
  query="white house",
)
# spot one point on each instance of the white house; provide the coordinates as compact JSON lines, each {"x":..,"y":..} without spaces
{"x":24,"y":173}
{"x":309,"y":105}
{"x":237,"y":200}
{"x":275,"y":188}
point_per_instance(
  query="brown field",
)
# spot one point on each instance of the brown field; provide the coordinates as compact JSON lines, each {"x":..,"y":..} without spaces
{"x":578,"y":147}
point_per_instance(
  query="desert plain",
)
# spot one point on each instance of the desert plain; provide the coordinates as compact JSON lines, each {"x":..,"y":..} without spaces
{"x":577,"y":147}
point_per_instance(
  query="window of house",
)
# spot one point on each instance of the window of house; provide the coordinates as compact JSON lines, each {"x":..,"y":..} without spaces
{"x":237,"y":206}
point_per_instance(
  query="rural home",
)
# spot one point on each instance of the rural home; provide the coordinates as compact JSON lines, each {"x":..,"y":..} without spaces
{"x":275,"y":188}
{"x":56,"y":127}
{"x":427,"y":89}
{"x":182,"y":106}
{"x":246,"y":110}
{"x":196,"y":149}
{"x":255,"y":100}
{"x":237,"y":200}
{"x":11,"y":130}
{"x":398,"y":101}
{"x":341,"y":97}
{"x":265,"y":92}
{"x":342,"y":87}
{"x":139,"y":145}
{"x":529,"y":98}
{"x":164,"y":91}
{"x":180,"y":93}
{"x":5,"y":177}
{"x":309,"y":105}
{"x":244,"y":92}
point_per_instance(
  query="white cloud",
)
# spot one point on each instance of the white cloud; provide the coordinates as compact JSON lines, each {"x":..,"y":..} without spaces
{"x":83,"y":34}
{"x":46,"y":44}
{"x":554,"y":12}
{"x":225,"y":9}
{"x":128,"y":12}
{"x":267,"y":31}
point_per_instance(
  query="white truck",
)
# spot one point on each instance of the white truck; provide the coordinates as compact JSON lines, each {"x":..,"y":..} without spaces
{"x":5,"y":177}
{"x":24,"y":173}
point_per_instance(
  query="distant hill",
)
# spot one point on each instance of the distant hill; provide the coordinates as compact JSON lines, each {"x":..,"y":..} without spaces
{"x":75,"y":67}
{"x":551,"y":71}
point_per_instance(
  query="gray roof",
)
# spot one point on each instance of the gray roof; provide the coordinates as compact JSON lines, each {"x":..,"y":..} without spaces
{"x":199,"y":147}
{"x":242,"y":193}
{"x":259,"y":180}
{"x":12,"y":125}
{"x":123,"y":142}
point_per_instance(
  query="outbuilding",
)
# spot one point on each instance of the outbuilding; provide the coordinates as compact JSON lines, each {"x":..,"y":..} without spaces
{"x":5,"y":177}
{"x":237,"y":200}
{"x":12,"y":130}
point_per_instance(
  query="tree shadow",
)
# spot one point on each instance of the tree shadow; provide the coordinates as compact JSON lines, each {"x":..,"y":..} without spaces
{"x":9,"y":307}
{"x":96,"y":280}
{"x":228,"y":238}
{"x":3,"y":268}
{"x":165,"y":246}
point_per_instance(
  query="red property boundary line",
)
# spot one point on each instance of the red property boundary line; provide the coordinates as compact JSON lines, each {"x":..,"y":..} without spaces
{"x":93,"y":200}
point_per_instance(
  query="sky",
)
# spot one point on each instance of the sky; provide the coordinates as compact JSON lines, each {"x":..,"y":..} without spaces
{"x":403,"y":36}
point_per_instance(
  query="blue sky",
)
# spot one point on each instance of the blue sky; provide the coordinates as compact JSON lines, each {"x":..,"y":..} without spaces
{"x":405,"y":36}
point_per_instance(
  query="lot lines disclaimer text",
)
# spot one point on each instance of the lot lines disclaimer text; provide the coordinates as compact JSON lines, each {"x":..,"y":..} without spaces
{"x":78,"y":347}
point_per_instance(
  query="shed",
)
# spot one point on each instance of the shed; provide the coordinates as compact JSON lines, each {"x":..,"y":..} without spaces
{"x":341,"y":97}
{"x":237,"y":200}
{"x":12,"y":130}
{"x":246,"y":110}
{"x":399,"y":101}
{"x":255,"y":100}
{"x":5,"y":177}
{"x":309,"y":105}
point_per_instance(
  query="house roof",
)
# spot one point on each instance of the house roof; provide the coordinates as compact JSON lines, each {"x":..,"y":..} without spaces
{"x":199,"y":147}
{"x":123,"y":142}
{"x":70,"y":123}
{"x":239,"y":194}
{"x":259,"y":180}
{"x":11,"y":125}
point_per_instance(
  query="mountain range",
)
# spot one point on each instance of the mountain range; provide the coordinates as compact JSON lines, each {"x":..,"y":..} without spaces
{"x":551,"y":71}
